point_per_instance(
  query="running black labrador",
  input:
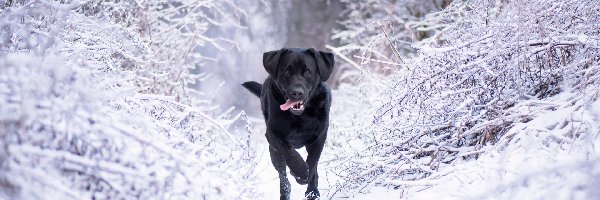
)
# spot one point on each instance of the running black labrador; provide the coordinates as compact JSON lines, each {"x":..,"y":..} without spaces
{"x":295,"y":102}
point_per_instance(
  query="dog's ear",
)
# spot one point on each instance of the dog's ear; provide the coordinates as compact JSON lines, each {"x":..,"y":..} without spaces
{"x":325,"y":62}
{"x":271,"y":59}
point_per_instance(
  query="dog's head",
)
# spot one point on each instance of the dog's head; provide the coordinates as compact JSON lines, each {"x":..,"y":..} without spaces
{"x":297,"y":73}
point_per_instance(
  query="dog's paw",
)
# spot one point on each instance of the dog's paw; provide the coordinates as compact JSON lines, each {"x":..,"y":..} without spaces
{"x":312,"y":195}
{"x":284,"y":197}
{"x":302,"y":180}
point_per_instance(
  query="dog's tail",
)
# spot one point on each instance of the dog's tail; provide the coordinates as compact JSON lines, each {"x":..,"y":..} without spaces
{"x":254,"y":87}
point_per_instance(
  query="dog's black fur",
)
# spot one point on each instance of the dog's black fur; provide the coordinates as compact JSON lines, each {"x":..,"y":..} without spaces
{"x":296,"y":75}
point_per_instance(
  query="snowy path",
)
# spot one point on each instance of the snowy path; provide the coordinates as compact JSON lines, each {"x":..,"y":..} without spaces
{"x":267,"y":178}
{"x":268,"y":181}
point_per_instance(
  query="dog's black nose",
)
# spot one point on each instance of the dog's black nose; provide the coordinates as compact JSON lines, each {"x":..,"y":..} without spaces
{"x":296,"y":93}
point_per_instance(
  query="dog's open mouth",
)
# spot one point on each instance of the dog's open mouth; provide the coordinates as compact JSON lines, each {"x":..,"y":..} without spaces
{"x":291,"y":104}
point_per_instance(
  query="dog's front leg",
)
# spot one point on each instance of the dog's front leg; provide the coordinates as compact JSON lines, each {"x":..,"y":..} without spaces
{"x":279,"y":164}
{"x":298,"y":168}
{"x":314,"y":153}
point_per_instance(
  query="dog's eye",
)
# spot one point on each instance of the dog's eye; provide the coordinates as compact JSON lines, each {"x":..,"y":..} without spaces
{"x":286,"y":72}
{"x":307,"y":72}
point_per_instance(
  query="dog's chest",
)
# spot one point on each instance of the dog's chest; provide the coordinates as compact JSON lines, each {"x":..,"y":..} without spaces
{"x":298,"y":139}
{"x":303,"y":132}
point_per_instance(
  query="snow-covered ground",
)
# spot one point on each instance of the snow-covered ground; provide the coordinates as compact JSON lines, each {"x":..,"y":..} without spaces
{"x":268,"y":180}
{"x":267,"y":183}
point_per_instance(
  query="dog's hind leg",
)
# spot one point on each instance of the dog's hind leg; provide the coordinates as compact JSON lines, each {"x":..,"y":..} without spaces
{"x":279,"y":164}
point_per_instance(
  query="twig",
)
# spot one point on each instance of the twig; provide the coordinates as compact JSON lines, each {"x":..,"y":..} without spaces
{"x":375,"y":60}
{"x":392,"y":44}
{"x":355,"y":65}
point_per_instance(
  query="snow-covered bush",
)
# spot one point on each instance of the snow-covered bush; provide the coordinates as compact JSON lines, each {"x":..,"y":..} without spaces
{"x":496,"y":66}
{"x":378,"y":33}
{"x":170,"y":33}
{"x":95,"y":104}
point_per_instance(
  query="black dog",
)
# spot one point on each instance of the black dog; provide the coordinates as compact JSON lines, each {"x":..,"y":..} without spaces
{"x":295,"y":102}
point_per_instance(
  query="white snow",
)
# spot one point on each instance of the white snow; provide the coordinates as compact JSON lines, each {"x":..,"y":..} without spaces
{"x":491,"y":100}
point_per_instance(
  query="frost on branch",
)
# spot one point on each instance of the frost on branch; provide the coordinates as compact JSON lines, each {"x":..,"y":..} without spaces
{"x":495,"y":66}
{"x":93,"y":108}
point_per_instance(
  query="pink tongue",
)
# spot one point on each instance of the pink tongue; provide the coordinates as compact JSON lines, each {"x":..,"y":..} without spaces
{"x":287,"y":105}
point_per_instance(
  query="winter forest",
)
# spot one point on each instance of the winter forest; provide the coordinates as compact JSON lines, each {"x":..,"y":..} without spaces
{"x":432,"y":99}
